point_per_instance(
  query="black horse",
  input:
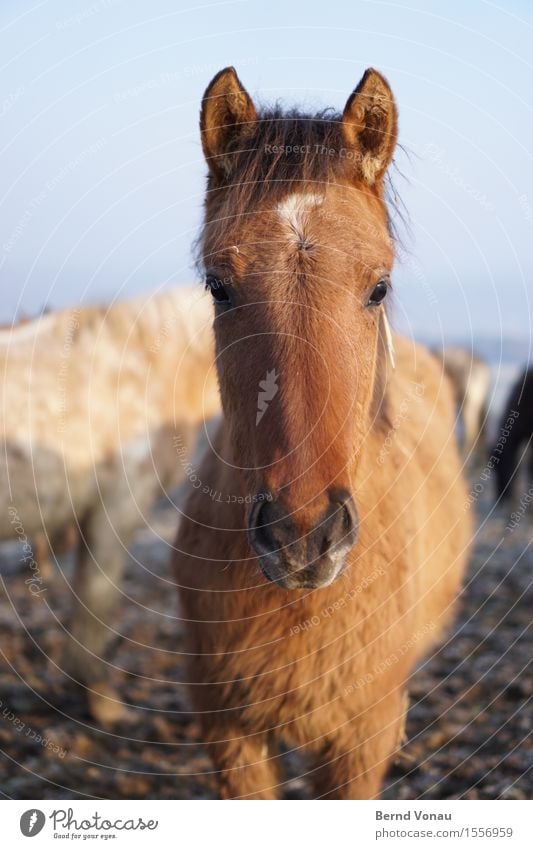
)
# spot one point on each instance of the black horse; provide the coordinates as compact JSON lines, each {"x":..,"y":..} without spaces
{"x":516,"y":425}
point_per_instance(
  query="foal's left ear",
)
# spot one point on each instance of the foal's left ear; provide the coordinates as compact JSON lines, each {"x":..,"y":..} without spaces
{"x":228,"y":115}
{"x":370,"y":125}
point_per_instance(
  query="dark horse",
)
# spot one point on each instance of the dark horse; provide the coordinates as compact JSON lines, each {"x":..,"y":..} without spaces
{"x":517,"y":444}
{"x":321,"y":555}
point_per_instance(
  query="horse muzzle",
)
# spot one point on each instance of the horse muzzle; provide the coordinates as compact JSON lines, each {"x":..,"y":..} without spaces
{"x":303,"y":559}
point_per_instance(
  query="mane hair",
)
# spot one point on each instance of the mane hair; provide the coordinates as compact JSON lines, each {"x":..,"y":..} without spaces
{"x":284,"y":151}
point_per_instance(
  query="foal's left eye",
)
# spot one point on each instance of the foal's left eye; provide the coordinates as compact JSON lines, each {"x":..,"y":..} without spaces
{"x":378,"y":293}
{"x":218,"y":290}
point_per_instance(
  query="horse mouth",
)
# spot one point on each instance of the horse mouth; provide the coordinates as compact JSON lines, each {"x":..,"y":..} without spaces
{"x":318,"y":575}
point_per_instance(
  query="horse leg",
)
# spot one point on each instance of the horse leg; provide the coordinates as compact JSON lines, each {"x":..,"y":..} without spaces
{"x":530,"y":465}
{"x":246,"y":766}
{"x":96,"y":590}
{"x":471,"y":424}
{"x":352,"y":764}
{"x":43,"y":556}
{"x":482,"y":446}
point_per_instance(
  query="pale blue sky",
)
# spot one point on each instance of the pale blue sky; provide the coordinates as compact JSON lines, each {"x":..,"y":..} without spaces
{"x":101,"y":171}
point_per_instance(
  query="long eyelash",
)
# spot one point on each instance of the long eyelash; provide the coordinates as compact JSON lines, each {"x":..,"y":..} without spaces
{"x":388,"y":339}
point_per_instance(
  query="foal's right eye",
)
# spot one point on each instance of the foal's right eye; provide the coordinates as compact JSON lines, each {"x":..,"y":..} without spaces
{"x":218,"y":290}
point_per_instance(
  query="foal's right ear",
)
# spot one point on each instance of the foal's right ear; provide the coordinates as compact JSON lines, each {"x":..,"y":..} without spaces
{"x":227,"y":115}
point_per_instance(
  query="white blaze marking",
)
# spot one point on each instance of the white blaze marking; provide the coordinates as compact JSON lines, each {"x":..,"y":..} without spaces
{"x":294,"y":208}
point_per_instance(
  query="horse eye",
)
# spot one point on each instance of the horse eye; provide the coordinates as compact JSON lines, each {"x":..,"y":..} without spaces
{"x":217,"y":289}
{"x":380,"y":290}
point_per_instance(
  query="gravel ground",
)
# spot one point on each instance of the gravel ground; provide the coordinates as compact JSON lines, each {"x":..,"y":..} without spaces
{"x":469,"y":724}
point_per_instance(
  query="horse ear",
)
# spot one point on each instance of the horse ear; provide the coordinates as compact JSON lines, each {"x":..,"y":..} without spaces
{"x":370,"y":125}
{"x":227,"y":114}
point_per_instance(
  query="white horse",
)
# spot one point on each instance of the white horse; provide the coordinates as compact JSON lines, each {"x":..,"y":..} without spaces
{"x":471,"y":379}
{"x":99,"y":406}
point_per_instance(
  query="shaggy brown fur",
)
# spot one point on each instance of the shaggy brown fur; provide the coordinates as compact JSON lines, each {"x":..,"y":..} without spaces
{"x":301,"y":251}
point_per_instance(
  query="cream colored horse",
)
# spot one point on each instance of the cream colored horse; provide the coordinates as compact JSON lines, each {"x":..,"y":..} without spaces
{"x":471,"y":379}
{"x":98,"y":407}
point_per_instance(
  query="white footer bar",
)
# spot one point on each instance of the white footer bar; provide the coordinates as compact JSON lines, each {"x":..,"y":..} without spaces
{"x":268,"y":825}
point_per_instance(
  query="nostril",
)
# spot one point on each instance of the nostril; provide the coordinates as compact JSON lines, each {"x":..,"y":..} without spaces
{"x":326,"y":546}
{"x":255,"y":512}
{"x":342,"y":531}
{"x":349,"y":517}
{"x":260,"y":534}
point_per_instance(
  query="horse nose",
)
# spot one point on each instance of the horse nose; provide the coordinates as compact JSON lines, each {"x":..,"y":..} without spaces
{"x":275,"y":537}
{"x":270,"y":530}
